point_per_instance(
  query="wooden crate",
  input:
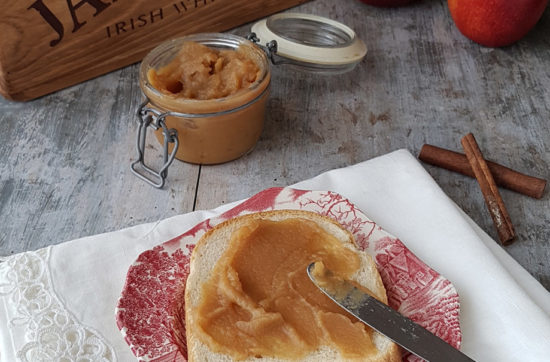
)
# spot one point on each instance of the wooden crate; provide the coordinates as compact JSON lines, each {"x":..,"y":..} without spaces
{"x":46,"y":45}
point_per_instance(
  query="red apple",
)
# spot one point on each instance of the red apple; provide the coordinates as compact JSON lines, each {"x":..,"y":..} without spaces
{"x":387,"y":3}
{"x":496,"y":23}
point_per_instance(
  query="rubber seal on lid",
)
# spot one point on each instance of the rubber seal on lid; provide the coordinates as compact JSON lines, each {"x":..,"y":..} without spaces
{"x":313,"y":42}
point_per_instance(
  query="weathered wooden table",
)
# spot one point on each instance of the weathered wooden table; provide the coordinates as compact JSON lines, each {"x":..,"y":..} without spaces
{"x":64,"y":169}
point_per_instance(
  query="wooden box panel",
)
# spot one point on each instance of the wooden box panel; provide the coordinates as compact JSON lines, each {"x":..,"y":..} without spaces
{"x":46,"y":45}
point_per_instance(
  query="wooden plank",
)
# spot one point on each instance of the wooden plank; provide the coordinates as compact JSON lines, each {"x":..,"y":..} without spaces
{"x":65,"y":166}
{"x":49,"y":45}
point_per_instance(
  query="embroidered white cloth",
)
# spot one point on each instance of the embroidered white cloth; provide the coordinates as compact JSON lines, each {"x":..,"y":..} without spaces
{"x":57,"y":304}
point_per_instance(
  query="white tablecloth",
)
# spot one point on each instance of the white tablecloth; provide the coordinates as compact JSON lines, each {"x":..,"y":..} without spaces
{"x":59,"y":301}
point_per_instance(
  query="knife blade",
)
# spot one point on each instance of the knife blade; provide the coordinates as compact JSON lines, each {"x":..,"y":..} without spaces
{"x":389,"y":322}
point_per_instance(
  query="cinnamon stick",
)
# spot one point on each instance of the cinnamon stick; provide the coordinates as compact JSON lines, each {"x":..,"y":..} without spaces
{"x":503,"y":176}
{"x":489,"y":189}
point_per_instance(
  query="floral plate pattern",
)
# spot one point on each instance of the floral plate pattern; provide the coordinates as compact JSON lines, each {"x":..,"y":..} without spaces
{"x":153,"y":280}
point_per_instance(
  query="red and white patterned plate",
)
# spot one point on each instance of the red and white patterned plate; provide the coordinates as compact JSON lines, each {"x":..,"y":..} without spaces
{"x":413,"y":288}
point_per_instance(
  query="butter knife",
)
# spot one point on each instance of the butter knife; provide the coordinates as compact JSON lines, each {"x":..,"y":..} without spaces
{"x":389,"y":322}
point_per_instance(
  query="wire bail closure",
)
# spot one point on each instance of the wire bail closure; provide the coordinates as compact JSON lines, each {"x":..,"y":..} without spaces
{"x":270,"y":48}
{"x":150,"y":117}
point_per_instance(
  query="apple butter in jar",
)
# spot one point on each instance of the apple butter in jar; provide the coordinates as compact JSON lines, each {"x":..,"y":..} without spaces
{"x":205,"y":96}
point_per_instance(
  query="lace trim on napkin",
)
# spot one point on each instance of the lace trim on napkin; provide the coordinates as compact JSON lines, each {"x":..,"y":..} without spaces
{"x":52,"y":332}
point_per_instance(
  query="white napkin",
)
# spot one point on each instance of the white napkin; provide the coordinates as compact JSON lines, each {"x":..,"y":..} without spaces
{"x":60,"y":301}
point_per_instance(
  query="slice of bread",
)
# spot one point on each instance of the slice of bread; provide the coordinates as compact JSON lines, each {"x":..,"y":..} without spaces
{"x":214,"y":243}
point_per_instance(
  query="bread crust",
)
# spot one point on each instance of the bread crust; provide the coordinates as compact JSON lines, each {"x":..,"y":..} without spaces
{"x":213,"y":244}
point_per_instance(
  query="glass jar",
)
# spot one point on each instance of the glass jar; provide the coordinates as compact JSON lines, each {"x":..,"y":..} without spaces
{"x":203,"y":131}
{"x":218,"y":130}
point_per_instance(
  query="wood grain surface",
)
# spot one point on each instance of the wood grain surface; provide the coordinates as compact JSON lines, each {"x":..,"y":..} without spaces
{"x":49,"y":45}
{"x":64,"y":171}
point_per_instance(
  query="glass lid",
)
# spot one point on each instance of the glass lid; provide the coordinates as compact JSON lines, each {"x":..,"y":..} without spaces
{"x":312,"y":42}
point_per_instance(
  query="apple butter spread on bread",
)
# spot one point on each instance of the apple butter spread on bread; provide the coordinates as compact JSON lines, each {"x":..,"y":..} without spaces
{"x":248,"y":294}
